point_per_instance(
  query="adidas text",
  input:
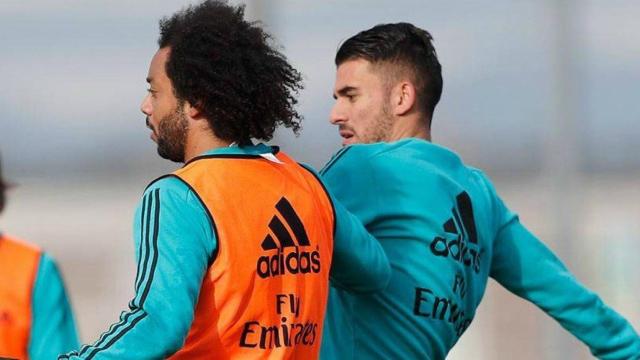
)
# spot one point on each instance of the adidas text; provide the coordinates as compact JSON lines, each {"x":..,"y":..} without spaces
{"x":293,"y":262}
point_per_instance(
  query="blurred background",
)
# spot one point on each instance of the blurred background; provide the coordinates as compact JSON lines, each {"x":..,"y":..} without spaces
{"x":542,"y":95}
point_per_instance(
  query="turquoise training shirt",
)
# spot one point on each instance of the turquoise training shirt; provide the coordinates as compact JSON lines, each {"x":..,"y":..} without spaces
{"x":445,"y":232}
{"x":53,"y":327}
{"x":174,"y":246}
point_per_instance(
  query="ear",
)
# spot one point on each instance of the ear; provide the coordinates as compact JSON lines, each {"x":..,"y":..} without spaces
{"x":191,"y":111}
{"x":403,"y":98}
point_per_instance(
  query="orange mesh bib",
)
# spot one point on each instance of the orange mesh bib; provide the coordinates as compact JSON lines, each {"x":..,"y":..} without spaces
{"x":18,"y":267}
{"x":264,"y":296}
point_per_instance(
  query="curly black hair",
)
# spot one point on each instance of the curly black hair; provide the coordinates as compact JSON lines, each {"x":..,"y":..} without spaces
{"x":226,"y":67}
{"x":400,"y":44}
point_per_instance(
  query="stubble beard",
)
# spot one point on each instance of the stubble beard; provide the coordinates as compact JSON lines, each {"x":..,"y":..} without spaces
{"x":172,"y":136}
{"x":381,"y":129}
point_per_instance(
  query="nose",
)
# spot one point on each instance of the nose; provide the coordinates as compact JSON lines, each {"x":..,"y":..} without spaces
{"x":337,"y":115}
{"x":145,"y":107}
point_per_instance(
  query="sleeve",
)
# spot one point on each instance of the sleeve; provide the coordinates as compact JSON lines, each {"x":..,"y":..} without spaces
{"x":174,"y":242}
{"x":526,"y":267}
{"x":359,"y":261}
{"x":53,"y":329}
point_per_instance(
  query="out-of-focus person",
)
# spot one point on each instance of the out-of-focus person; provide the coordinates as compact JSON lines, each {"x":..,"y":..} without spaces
{"x":36,"y":321}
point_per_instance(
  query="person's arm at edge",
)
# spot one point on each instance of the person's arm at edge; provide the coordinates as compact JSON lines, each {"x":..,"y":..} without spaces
{"x":53,"y":329}
{"x":173,"y":242}
{"x":359,"y":263}
{"x":526,"y":267}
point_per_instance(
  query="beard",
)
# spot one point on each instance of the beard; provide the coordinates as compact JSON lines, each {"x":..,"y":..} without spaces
{"x":172,"y":135}
{"x":381,"y":128}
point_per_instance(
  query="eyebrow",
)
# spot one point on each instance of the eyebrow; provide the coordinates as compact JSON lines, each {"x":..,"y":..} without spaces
{"x":344,"y":91}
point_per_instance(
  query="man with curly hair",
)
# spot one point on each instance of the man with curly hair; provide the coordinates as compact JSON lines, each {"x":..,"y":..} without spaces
{"x":36,"y":320}
{"x":441,"y":222}
{"x":234,"y":249}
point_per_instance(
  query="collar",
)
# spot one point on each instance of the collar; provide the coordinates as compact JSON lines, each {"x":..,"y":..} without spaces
{"x":243,"y":151}
{"x":251,"y":149}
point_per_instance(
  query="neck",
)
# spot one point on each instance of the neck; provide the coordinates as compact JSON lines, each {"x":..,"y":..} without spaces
{"x":411,"y":128}
{"x":197,"y":143}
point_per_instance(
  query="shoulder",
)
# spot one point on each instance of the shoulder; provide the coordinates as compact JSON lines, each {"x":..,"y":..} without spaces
{"x":502,"y":214}
{"x":309,"y":168}
{"x":48,"y":268}
{"x":478,"y":173}
{"x":170,"y":187}
{"x":483,"y":179}
{"x":19,"y":245}
{"x":407,"y":156}
{"x":175,"y":197}
{"x":169,"y":182}
{"x":359,"y":156}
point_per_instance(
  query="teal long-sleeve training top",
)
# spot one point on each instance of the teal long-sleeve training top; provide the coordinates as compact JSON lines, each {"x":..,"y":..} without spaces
{"x":53,"y":328}
{"x":445,"y":232}
{"x":174,"y":245}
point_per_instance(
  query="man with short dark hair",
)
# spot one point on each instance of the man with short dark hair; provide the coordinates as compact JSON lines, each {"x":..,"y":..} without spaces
{"x":36,"y":321}
{"x":444,"y":228}
{"x":234,"y":248}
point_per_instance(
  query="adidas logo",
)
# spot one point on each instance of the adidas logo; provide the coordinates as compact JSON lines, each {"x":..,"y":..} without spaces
{"x":288,"y":257}
{"x":461,"y":241}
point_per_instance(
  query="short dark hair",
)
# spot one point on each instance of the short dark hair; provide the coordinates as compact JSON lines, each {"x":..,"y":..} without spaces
{"x":400,"y":44}
{"x":226,"y":67}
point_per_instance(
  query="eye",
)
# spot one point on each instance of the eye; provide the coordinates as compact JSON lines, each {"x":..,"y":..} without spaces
{"x":152,"y":92}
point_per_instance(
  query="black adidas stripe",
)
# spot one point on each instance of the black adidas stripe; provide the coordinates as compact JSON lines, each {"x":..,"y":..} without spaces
{"x":281,"y":232}
{"x":145,"y":202}
{"x":154,"y":262}
{"x":458,"y":221}
{"x":67,"y":355}
{"x":147,"y":225}
{"x":111,"y":331}
{"x":214,"y":229}
{"x":268,"y":243}
{"x":152,"y":202}
{"x":466,"y":213}
{"x":450,"y":227}
{"x":120,"y":334}
{"x":290,"y":216}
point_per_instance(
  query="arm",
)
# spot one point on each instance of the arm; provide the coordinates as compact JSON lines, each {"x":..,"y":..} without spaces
{"x":359,"y":261}
{"x":53,"y":329}
{"x":527,"y":268}
{"x":174,"y":242}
